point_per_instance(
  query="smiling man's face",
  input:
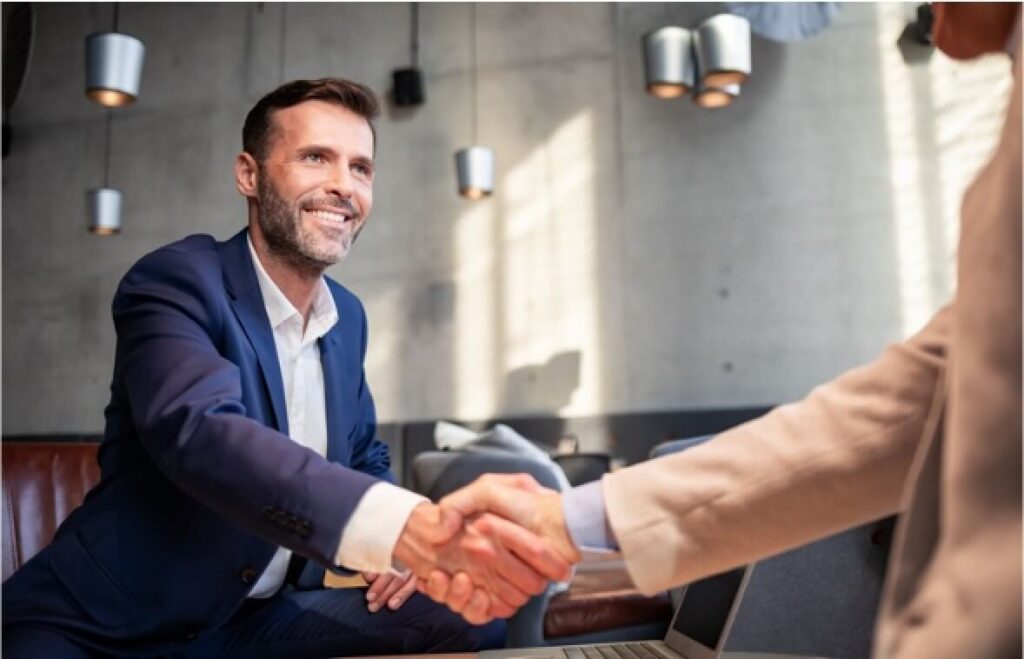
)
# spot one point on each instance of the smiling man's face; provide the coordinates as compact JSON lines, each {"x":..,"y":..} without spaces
{"x":315,"y":186}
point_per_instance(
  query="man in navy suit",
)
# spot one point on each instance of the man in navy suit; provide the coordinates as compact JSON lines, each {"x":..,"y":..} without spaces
{"x":240,"y":455}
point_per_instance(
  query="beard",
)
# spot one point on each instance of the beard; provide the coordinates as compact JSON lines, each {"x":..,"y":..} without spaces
{"x":299,"y":246}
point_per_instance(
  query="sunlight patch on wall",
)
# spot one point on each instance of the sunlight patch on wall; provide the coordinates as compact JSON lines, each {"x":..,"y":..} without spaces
{"x":917,"y":302}
{"x":476,"y":269}
{"x":384,"y":356}
{"x":525,"y":272}
{"x":969,"y":101}
{"x":548,"y":296}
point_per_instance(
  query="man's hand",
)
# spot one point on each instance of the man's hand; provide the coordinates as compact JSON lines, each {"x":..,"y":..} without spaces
{"x":504,"y":572}
{"x":518,"y":498}
{"x":389,"y":590}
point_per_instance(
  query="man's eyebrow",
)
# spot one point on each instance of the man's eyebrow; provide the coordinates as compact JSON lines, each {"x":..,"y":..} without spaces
{"x":364,"y":160}
{"x":307,"y":148}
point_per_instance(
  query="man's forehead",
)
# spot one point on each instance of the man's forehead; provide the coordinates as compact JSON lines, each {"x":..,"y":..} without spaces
{"x":322,"y":122}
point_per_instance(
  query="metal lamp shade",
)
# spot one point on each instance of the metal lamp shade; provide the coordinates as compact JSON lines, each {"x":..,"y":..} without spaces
{"x":716,"y":97}
{"x":723,"y":50}
{"x":668,"y":62}
{"x":474,"y":167}
{"x":113,"y":68}
{"x":104,"y":211}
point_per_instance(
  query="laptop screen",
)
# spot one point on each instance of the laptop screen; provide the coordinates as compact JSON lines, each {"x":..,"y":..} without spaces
{"x":706,"y":606}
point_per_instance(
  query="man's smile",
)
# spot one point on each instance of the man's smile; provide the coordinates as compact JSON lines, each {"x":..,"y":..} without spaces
{"x":332,"y":215}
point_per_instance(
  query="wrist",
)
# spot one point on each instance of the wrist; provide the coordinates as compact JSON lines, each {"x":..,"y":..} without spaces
{"x":554,"y":527}
{"x":413,"y":549}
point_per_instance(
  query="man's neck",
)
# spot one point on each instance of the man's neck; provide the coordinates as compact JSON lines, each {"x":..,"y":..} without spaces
{"x":299,"y":286}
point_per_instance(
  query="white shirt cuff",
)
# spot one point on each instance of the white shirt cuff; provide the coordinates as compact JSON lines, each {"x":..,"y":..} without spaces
{"x":368,"y":540}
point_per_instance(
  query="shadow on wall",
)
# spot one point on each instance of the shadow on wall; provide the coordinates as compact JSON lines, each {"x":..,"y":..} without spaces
{"x":546,"y":387}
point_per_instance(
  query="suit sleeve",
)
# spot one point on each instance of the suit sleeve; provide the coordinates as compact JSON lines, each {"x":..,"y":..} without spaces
{"x":186,"y":405}
{"x":806,"y":470}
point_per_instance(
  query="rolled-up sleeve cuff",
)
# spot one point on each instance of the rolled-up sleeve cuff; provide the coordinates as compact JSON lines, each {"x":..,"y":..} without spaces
{"x":586,"y":519}
{"x":368,"y":540}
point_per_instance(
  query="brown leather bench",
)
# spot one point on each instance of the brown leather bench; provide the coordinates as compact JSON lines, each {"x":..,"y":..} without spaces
{"x":42,"y":483}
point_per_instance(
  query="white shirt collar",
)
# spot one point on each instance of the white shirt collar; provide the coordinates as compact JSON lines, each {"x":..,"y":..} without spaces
{"x":323,"y":316}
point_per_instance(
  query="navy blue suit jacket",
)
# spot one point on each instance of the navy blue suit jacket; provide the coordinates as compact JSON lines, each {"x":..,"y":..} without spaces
{"x":199,"y":480}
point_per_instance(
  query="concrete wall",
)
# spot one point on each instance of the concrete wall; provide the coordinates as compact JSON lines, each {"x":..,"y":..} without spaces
{"x":638,"y":254}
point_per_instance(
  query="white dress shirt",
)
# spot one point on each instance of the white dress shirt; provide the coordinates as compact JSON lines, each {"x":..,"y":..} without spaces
{"x":368,"y":540}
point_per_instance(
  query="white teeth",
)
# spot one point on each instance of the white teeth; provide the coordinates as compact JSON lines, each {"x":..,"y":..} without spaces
{"x":329,"y":216}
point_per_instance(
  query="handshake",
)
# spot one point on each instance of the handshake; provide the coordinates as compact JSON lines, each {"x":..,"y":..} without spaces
{"x":485,"y":549}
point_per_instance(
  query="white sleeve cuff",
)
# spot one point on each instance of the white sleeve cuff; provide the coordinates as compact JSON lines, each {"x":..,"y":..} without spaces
{"x":368,"y":540}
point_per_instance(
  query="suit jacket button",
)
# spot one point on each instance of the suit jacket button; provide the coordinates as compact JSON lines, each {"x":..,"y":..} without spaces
{"x":191,"y":637}
{"x":248,"y":576}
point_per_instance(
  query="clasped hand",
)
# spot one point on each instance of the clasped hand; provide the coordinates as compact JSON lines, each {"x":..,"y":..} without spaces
{"x":485,"y":549}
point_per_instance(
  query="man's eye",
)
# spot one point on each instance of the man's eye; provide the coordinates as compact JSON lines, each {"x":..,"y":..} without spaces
{"x":313,"y":157}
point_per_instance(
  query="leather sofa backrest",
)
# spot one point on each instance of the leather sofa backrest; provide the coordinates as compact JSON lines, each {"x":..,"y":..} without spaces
{"x":42,"y":483}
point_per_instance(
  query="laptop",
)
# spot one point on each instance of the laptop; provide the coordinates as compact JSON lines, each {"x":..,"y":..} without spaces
{"x":699,"y":628}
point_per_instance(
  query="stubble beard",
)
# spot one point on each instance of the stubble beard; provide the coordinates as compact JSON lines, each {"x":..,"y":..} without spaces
{"x":288,"y":240}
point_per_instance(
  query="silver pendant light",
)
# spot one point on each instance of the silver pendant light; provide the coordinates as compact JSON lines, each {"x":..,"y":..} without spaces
{"x":474,"y":165}
{"x":104,"y":204}
{"x":104,"y":211}
{"x":668,"y":62}
{"x":723,"y":50}
{"x":715,"y":97}
{"x":113,"y":66}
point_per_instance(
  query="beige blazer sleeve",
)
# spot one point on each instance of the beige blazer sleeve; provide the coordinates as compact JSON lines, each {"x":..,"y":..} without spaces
{"x":838,"y":458}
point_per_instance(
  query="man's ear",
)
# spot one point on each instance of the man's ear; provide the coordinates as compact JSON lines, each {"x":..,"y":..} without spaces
{"x":246,"y":174}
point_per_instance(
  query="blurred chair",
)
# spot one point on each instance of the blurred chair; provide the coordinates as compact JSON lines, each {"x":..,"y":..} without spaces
{"x":820,"y":599}
{"x":437,"y":473}
{"x":677,"y":445}
{"x":583,"y":468}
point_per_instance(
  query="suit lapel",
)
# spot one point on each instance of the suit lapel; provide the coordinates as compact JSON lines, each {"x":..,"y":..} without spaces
{"x":332,"y":359}
{"x":247,"y":303}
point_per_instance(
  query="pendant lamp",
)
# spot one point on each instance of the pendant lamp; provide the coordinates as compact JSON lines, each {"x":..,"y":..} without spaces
{"x":723,"y":50}
{"x":104,"y":204}
{"x":113,"y":66}
{"x":715,"y":97}
{"x":104,"y":211}
{"x":474,"y":165}
{"x":668,"y":62}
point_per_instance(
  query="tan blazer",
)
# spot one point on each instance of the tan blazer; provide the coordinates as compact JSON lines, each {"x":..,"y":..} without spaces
{"x":931,"y":429}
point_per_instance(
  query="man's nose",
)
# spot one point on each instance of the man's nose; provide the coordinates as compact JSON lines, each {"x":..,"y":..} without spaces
{"x":340,"y":181}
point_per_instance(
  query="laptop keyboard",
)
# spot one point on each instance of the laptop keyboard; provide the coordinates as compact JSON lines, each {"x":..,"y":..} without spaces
{"x":616,"y":651}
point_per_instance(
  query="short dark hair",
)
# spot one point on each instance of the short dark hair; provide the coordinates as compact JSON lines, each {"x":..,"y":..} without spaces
{"x":259,"y":122}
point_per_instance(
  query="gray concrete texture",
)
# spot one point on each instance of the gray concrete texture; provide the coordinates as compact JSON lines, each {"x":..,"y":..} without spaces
{"x":638,"y":254}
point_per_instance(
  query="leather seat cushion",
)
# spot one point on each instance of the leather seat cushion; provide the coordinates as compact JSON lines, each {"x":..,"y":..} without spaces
{"x":42,"y":483}
{"x":601,"y":596}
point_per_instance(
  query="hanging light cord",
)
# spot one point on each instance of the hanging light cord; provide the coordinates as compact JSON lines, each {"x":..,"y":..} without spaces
{"x":106,"y":149}
{"x":415,"y":39}
{"x":110,"y":114}
{"x":476,"y":137}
